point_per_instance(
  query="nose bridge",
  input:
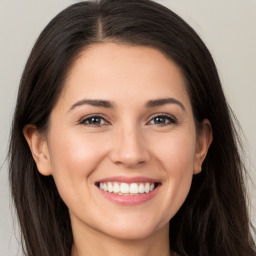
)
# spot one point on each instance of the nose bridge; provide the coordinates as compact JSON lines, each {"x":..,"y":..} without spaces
{"x":130,"y":147}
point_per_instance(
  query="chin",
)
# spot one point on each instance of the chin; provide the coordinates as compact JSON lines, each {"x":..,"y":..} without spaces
{"x":131,"y":234}
{"x":133,"y":230}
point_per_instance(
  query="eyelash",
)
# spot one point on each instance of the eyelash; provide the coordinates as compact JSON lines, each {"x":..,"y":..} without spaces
{"x":90,"y":118}
{"x":168,"y":119}
{"x":86,"y":121}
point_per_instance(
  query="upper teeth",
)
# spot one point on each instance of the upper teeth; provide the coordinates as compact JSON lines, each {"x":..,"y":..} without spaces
{"x":126,"y":188}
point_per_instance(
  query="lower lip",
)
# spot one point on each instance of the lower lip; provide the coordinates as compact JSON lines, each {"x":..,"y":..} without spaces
{"x":128,"y":199}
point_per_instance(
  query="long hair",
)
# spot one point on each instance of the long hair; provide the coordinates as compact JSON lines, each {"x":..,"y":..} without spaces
{"x":214,"y":218}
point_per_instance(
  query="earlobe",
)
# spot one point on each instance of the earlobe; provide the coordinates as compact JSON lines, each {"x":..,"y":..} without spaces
{"x":204,"y":140}
{"x":39,"y":149}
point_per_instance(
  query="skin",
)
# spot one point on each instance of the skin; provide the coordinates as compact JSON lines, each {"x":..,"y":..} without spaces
{"x":128,"y":140}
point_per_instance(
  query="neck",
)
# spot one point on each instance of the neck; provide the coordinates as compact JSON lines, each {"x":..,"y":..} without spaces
{"x":93,"y":243}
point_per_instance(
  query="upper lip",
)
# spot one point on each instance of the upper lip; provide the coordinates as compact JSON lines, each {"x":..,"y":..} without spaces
{"x":124,"y":179}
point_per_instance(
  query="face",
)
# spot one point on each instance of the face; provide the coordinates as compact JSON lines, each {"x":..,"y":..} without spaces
{"x":122,"y":144}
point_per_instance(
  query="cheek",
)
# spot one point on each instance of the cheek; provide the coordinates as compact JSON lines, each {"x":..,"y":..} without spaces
{"x":179,"y":164}
{"x":175,"y":154}
{"x":73,"y":158}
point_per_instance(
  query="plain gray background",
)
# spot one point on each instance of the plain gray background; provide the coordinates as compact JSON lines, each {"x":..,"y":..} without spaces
{"x":227,"y":27}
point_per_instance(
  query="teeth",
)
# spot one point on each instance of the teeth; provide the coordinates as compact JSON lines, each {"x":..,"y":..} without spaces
{"x":141,"y":188}
{"x":116,"y":188}
{"x":126,"y":188}
{"x":147,"y":188}
{"x":134,"y":189}
{"x":110,"y":187}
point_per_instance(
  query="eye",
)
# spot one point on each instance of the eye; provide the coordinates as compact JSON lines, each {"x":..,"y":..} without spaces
{"x":162,"y":120}
{"x":93,"y":121}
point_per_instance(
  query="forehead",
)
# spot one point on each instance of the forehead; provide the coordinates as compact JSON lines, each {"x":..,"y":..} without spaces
{"x":122,"y":73}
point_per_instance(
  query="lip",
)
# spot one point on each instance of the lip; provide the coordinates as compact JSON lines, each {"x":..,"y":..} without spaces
{"x":136,"y":179}
{"x":129,"y":200}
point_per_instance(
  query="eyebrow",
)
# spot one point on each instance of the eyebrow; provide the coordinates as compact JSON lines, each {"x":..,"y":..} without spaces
{"x":160,"y":102}
{"x":108,"y":104}
{"x":96,"y":103}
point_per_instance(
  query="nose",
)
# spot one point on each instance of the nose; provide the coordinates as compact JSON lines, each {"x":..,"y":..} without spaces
{"x":129,"y":148}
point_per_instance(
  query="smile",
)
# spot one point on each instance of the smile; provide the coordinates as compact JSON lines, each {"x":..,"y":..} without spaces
{"x":127,"y":188}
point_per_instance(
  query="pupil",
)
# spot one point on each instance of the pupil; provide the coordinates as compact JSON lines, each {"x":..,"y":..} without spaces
{"x":95,"y":120}
{"x":159,"y":120}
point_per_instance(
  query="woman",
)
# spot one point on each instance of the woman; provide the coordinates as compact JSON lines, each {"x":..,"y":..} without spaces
{"x":122,"y":140}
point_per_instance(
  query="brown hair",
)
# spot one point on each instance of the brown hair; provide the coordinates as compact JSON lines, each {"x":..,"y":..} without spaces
{"x":214,"y":218}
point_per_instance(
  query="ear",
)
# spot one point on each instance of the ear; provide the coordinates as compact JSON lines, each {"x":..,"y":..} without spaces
{"x":39,"y":149}
{"x":204,"y":140}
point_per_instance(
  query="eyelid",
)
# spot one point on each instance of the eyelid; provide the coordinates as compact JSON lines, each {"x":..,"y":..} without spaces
{"x":81,"y":121}
{"x":84,"y":118}
{"x":172,"y":119}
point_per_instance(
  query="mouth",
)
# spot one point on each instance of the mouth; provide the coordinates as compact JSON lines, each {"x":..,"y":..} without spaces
{"x":127,"y":189}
